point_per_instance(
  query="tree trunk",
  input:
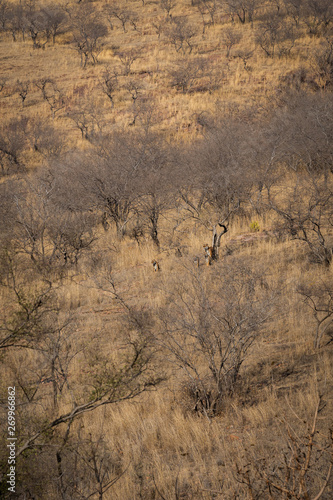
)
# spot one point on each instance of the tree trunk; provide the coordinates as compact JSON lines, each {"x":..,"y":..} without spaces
{"x":216,"y":241}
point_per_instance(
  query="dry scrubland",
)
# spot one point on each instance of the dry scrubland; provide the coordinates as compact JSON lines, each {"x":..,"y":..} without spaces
{"x":135,"y":131}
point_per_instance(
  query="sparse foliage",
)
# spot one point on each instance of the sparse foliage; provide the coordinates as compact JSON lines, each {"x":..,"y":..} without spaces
{"x":303,"y":469}
{"x":185,"y":74}
{"x":22,"y":90}
{"x":230,"y":38}
{"x":13,"y":141}
{"x":109,"y":84}
{"x":209,"y":329}
{"x":318,"y":297}
{"x":89,"y":32}
{"x":180,"y":33}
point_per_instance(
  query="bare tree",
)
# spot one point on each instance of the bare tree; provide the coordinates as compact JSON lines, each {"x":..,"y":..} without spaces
{"x":51,"y":94}
{"x":322,"y":65}
{"x":20,"y":322}
{"x":3,"y":82}
{"x":110,"y":181}
{"x":223,"y":186}
{"x":318,"y":15}
{"x":125,"y":16}
{"x":127,"y":58}
{"x":307,"y":216}
{"x":230,"y":38}
{"x":295,"y":10}
{"x":245,"y":56}
{"x":135,"y":89}
{"x":244,"y":10}
{"x":180,"y":34}
{"x":45,"y":139}
{"x":88,"y":467}
{"x":55,"y":19}
{"x":87,"y":119}
{"x":128,"y":374}
{"x":186,"y":72}
{"x":13,"y":141}
{"x":209,"y":330}
{"x":36,"y":27}
{"x":274,"y":34}
{"x":4,"y":14}
{"x":22,"y":88}
{"x":17,"y":21}
{"x":152,"y":205}
{"x":88,"y":34}
{"x":51,"y":337}
{"x":305,"y":211}
{"x":109,"y":84}
{"x":303,"y":467}
{"x":155,"y":183}
{"x":167,"y":6}
{"x":207,"y":10}
{"x":318,"y":297}
{"x":47,"y":229}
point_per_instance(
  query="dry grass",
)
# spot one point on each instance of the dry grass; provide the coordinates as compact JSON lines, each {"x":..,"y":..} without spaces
{"x":164,"y":447}
{"x":176,"y":112}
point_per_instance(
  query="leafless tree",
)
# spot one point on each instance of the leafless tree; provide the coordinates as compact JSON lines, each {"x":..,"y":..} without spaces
{"x":186,"y":72}
{"x":207,"y":10}
{"x":55,"y":20}
{"x":305,"y":211}
{"x":322,"y":65}
{"x":307,"y":215}
{"x":13,"y":141}
{"x":125,"y":16}
{"x":167,"y":6}
{"x":88,"y":33}
{"x":209,"y":330}
{"x":180,"y":33}
{"x":50,"y":232}
{"x":51,"y":94}
{"x":152,"y":205}
{"x":223,"y":186}
{"x":274,"y":34}
{"x":295,"y":10}
{"x":159,"y":26}
{"x":86,"y":118}
{"x":244,"y":10}
{"x":135,"y":89}
{"x":230,"y":38}
{"x":45,"y":139}
{"x":110,"y":181}
{"x":87,"y":466}
{"x":22,"y":89}
{"x":245,"y":56}
{"x":127,"y":58}
{"x":111,"y":381}
{"x":4,"y":14}
{"x":303,"y":467}
{"x":3,"y":82}
{"x":109,"y":84}
{"x":17,"y":21}
{"x":318,"y":297}
{"x":318,"y":15}
{"x":36,"y":27}
{"x":51,"y":336}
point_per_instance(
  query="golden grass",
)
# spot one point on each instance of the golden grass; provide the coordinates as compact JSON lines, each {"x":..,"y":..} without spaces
{"x":176,"y":112}
{"x":156,"y":437}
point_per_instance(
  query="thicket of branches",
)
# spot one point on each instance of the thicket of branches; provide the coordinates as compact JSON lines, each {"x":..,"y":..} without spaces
{"x":51,"y":219}
{"x":278,"y":161}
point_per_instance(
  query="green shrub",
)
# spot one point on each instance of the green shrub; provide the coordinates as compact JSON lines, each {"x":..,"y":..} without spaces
{"x":254,"y":227}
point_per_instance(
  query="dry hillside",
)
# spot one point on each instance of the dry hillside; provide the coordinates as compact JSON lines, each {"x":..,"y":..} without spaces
{"x":166,"y":236}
